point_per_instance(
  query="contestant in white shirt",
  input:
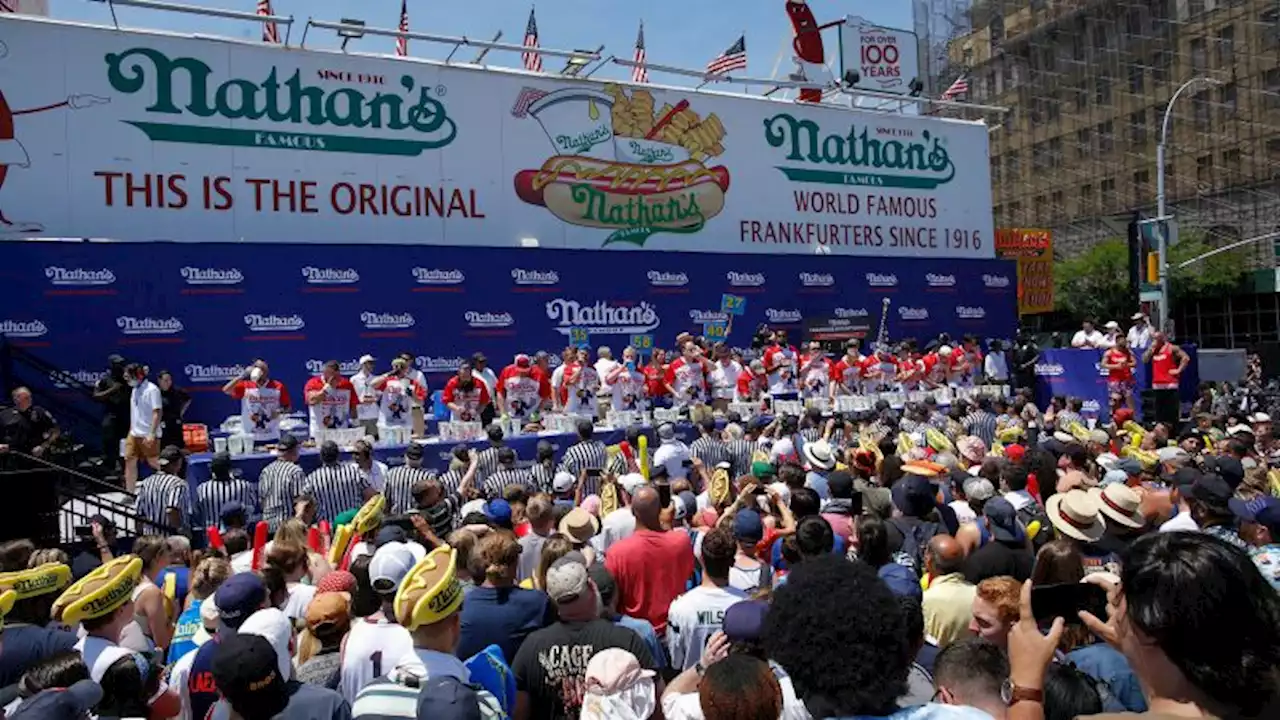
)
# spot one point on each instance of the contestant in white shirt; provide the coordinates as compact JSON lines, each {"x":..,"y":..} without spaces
{"x":995,"y":366}
{"x":1140,"y":334}
{"x":723,"y":378}
{"x":366,"y":396}
{"x":1088,"y":336}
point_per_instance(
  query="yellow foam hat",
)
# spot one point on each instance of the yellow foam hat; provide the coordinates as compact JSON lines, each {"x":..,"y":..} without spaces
{"x":431,"y":591}
{"x":369,"y":516}
{"x":7,"y":599}
{"x":42,"y":580}
{"x":100,"y":592}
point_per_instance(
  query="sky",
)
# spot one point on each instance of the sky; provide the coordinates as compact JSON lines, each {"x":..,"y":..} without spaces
{"x":681,"y":33}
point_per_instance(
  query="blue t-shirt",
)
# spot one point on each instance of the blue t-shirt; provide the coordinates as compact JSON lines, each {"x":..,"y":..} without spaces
{"x":187,"y":627}
{"x":183,"y":573}
{"x":775,"y":553}
{"x":502,"y":617}
{"x":1102,"y":662}
{"x":645,"y":630}
{"x":25,"y":645}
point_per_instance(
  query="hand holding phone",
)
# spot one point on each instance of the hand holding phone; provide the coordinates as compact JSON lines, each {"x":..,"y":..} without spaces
{"x":1066,"y":601}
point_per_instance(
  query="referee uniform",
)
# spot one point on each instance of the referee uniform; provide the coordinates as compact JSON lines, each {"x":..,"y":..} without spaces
{"x":212,"y":495}
{"x":336,"y":488}
{"x":496,"y":485}
{"x":711,"y":451}
{"x":156,"y":495}
{"x":279,"y":484}
{"x":583,"y":455}
{"x":740,"y":453}
{"x":402,"y":478}
{"x":542,"y":475}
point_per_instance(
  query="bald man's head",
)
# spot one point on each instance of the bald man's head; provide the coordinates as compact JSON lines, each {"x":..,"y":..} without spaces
{"x":646,"y":506}
{"x":945,"y":556}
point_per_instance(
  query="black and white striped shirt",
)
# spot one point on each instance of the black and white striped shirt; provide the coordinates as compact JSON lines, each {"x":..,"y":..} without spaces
{"x":279,"y":484}
{"x":711,"y":451}
{"x":212,"y":495}
{"x":156,"y":495}
{"x":938,"y":421}
{"x":583,"y":455}
{"x":1064,"y":420}
{"x":399,"y":489}
{"x":740,"y":454}
{"x":982,"y":425}
{"x":487,"y":462}
{"x":498,"y":482}
{"x":542,"y":478}
{"x":811,"y":434}
{"x":336,"y":488}
{"x":451,"y":480}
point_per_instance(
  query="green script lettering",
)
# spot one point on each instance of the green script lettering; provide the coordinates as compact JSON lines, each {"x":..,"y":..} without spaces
{"x":804,"y":141}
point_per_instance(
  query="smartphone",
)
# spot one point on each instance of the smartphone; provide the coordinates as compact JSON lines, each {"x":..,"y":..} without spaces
{"x":595,"y":472}
{"x":686,"y":464}
{"x":664,"y":494}
{"x":855,"y":504}
{"x":1066,"y":601}
{"x":84,"y":531}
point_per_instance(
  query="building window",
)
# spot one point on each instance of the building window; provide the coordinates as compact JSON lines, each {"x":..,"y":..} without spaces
{"x":1057,"y":206}
{"x":1082,"y":98}
{"x":1227,"y":46}
{"x":1269,"y":27}
{"x":1200,"y":109}
{"x":1227,"y":99}
{"x":1204,"y":171}
{"x":1035,"y":109}
{"x":1102,"y":89}
{"x":1133,"y":21}
{"x":1231,"y":162}
{"x":1137,"y":78}
{"x":1141,"y":187}
{"x":1012,"y":166}
{"x":1101,"y":38}
{"x":1106,"y":137}
{"x":1271,"y":88}
{"x":996,"y":28}
{"x":995,"y":168}
{"x":1077,"y":45}
{"x":1006,"y":74}
{"x":1194,"y":8}
{"x":1161,"y":66}
{"x":1015,"y":213}
{"x":992,"y":88}
{"x":1086,"y":198}
{"x":1199,"y":55}
{"x":1108,"y":192}
{"x":1138,"y":128}
{"x":1039,"y":156}
{"x":1055,"y":152}
{"x":1084,"y":143}
{"x":1054,"y":106}
{"x":1273,"y":149}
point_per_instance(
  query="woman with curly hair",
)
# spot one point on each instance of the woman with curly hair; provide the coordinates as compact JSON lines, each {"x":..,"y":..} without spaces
{"x":740,"y":687}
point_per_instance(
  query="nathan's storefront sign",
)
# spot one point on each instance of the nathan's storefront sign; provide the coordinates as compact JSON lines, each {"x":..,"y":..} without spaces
{"x":147,"y":136}
{"x":1033,"y":251}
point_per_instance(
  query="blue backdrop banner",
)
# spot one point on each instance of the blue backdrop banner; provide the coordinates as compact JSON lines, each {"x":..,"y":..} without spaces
{"x":204,"y":311}
{"x":1079,"y":373}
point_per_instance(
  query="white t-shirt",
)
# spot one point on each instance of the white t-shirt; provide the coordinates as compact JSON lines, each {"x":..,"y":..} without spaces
{"x":693,"y":618}
{"x":604,"y":366}
{"x":628,"y":391}
{"x":143,"y":401}
{"x":295,"y":608}
{"x":395,"y":404}
{"x":416,"y":375}
{"x":688,"y":381}
{"x":372,"y":650}
{"x":1083,"y":339}
{"x":366,"y":396}
{"x":816,"y":379}
{"x":581,"y":398}
{"x":1181,"y":521}
{"x":688,"y":706}
{"x":376,"y":475}
{"x":672,"y":455}
{"x":557,"y":379}
{"x":724,"y":380}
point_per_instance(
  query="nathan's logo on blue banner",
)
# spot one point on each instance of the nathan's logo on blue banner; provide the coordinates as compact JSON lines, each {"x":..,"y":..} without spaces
{"x":489,"y":319}
{"x":148,"y":325}
{"x":386,"y":321}
{"x":741,"y":279}
{"x":347,"y":367}
{"x":330,"y":276}
{"x":432,"y":364}
{"x":965,"y":312}
{"x":911,"y":314}
{"x":23,"y":328}
{"x":1091,"y":407}
{"x":212,"y":374}
{"x":995,"y":281}
{"x":65,"y":380}
{"x":940,"y":281}
{"x":435,"y":276}
{"x":848,"y":313}
{"x":79,"y":277}
{"x":860,"y":155}
{"x":882,"y":280}
{"x":211,"y":276}
{"x":817,"y":279}
{"x":667,"y":279}
{"x":783,"y":316}
{"x":536,"y":278}
{"x":274,"y":323}
{"x":702,"y":317}
{"x":601,"y":318}
{"x":1050,"y":370}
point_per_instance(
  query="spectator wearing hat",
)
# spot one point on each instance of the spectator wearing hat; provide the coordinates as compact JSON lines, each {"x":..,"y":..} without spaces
{"x":69,"y":703}
{"x":401,"y":479}
{"x":1076,"y":516}
{"x":748,"y":573}
{"x":328,"y":619}
{"x":1260,"y":527}
{"x":696,"y":615}
{"x":1209,"y":502}
{"x":237,"y":598}
{"x":379,"y":635}
{"x":840,"y":509}
{"x":917,"y":519}
{"x":551,"y":666}
{"x":1121,"y":509}
{"x":497,"y":612}
{"x":820,"y":461}
{"x":28,"y":637}
{"x":163,"y":496}
{"x":253,"y":676}
{"x":1007,"y":552}
{"x":366,"y":396}
{"x":672,"y":453}
{"x":617,"y":688}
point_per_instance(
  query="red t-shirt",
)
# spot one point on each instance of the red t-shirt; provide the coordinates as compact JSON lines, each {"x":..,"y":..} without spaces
{"x":651,"y":569}
{"x":472,"y":401}
{"x":510,"y":371}
{"x":654,"y":380}
{"x":316,"y":384}
{"x":237,"y":391}
{"x":1113,"y":356}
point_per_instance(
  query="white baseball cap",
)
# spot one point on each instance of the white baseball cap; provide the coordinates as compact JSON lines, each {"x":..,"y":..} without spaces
{"x":273,"y":625}
{"x":366,"y":359}
{"x":391,"y":563}
{"x":1138,"y":316}
{"x":1112,"y":325}
{"x":563,"y":482}
{"x":1259,"y":418}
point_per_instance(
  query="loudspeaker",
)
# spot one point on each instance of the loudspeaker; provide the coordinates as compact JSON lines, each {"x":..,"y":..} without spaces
{"x":1161,"y":406}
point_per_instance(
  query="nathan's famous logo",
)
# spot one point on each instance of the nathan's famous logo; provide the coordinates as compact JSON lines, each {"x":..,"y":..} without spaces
{"x":148,"y":325}
{"x":995,"y":281}
{"x":22,"y":328}
{"x":965,"y":312}
{"x":534,"y":277}
{"x":478,"y":319}
{"x":273,"y":323}
{"x":431,"y":364}
{"x":782,"y":316}
{"x":212,"y":373}
{"x":847,"y":313}
{"x":658,"y":278}
{"x":860,"y":155}
{"x":63,"y":379}
{"x":910,"y":313}
{"x":79,"y":276}
{"x":294,"y":114}
{"x":1050,"y":370}
{"x":603,"y":318}
{"x":620,"y":164}
{"x":330,"y":276}
{"x":346,"y":367}
{"x":741,"y":279}
{"x":436,"y":276}
{"x":386,"y":321}
{"x":882,"y":280}
{"x":817,"y":279}
{"x":938,"y":280}
{"x":212,"y":276}
{"x":703,"y":317}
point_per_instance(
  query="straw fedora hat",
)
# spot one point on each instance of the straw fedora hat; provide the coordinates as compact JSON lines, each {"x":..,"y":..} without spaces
{"x":820,"y":455}
{"x":579,"y":525}
{"x":1120,"y":504}
{"x":1075,"y":514}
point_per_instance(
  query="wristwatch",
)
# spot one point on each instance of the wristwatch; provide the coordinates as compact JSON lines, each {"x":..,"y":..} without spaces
{"x":699,"y":668}
{"x":1013,"y":694}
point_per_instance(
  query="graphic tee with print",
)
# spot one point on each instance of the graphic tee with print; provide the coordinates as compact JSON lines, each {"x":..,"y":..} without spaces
{"x":395,"y":404}
{"x":551,"y":665}
{"x":689,"y":382}
{"x":582,"y":382}
{"x":629,"y":391}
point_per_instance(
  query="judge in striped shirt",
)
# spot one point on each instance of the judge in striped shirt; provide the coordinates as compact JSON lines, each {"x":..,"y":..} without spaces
{"x":163,"y":496}
{"x":336,"y":487}
{"x":508,"y":474}
{"x":280,"y":483}
{"x":401,"y":480}
{"x":224,"y":488}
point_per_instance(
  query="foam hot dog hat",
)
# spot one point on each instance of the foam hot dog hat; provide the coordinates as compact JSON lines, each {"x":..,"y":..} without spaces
{"x":369,"y":517}
{"x":42,"y":580}
{"x":431,"y":591}
{"x":7,"y":599}
{"x":100,"y":592}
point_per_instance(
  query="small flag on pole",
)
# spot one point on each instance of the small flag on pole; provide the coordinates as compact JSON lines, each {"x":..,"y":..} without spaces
{"x":640,"y":73}
{"x":735,"y":58}
{"x":958,"y":88}
{"x":532,"y":60}
{"x":270,"y":34}
{"x":402,"y":43}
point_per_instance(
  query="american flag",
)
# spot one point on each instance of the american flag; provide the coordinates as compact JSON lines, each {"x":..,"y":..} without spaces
{"x":270,"y":33}
{"x":402,"y":43}
{"x":640,"y":73}
{"x":532,"y":60}
{"x":735,"y":58}
{"x":959,"y":87}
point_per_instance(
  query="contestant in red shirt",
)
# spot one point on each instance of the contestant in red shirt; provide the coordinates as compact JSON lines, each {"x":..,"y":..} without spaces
{"x":847,"y":371}
{"x":652,"y":566}
{"x":331,"y":399}
{"x":1119,"y":363}
{"x":520,"y":392}
{"x":465,"y":395}
{"x":687,"y":377}
{"x":780,"y":362}
{"x":260,"y":379}
{"x":752,"y":383}
{"x":655,"y":379}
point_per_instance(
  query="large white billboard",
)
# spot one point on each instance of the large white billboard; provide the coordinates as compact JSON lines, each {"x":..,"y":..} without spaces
{"x":147,"y":136}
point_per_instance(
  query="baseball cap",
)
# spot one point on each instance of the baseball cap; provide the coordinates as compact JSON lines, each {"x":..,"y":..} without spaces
{"x":1003,"y":520}
{"x":762,"y":470}
{"x":747,"y":525}
{"x":606,"y":585}
{"x":230,"y":509}
{"x":287,"y":441}
{"x":221,"y":463}
{"x":498,"y":511}
{"x":1172,"y":454}
{"x":613,"y":671}
{"x":1263,"y":510}
{"x":1015,"y":452}
{"x":238,"y":597}
{"x":366,"y":358}
{"x":277,"y":628}
{"x":445,"y":698}
{"x":329,"y":610}
{"x":744,"y":620}
{"x":979,"y":489}
{"x":567,"y":578}
{"x":337,"y":581}
{"x":391,"y":563}
{"x":666,"y":431}
{"x":913,"y":495}
{"x":523,"y":361}
{"x":563,"y":482}
{"x":1228,"y":468}
{"x":72,"y":703}
{"x":414,"y":450}
{"x":389,"y":534}
{"x":172,"y":455}
{"x":247,"y":673}
{"x":1259,"y":417}
{"x":1211,"y":489}
{"x":1137,"y":316}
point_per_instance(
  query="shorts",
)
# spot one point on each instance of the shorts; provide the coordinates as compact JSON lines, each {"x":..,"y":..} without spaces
{"x":1120,"y":388}
{"x":136,"y":447}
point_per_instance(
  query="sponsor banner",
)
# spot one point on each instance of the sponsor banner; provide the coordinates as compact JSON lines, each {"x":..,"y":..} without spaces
{"x":1079,"y":373}
{"x":1033,"y":251}
{"x":884,"y":59}
{"x":175,"y":316}
{"x":152,"y":136}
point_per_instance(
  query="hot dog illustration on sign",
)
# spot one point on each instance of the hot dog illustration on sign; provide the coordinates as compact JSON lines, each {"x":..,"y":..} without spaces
{"x":14,"y":155}
{"x":810,"y":57}
{"x":622,"y":165}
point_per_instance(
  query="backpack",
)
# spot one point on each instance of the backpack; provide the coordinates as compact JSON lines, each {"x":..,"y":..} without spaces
{"x":915,"y":538}
{"x":449,"y":691}
{"x":1034,"y":513}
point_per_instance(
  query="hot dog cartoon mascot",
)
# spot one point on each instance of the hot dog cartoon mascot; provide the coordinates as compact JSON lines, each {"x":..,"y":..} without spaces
{"x":811,"y":60}
{"x":13,"y":154}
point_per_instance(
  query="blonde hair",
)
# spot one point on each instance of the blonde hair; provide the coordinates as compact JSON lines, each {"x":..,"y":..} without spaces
{"x":209,"y":576}
{"x":556,"y":547}
{"x":496,"y":557}
{"x":308,"y":645}
{"x":48,"y":555}
{"x":292,"y":530}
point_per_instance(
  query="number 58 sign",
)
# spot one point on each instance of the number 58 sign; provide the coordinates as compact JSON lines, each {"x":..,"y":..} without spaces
{"x":884,"y":59}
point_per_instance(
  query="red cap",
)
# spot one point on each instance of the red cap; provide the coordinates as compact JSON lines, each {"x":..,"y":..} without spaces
{"x":1122,"y":416}
{"x":1015,"y":452}
{"x":523,"y":361}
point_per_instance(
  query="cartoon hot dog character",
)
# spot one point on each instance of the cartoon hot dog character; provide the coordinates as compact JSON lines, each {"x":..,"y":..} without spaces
{"x":650,"y":176}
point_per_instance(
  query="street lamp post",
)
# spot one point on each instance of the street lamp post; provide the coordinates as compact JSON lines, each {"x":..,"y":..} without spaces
{"x":1163,"y":248}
